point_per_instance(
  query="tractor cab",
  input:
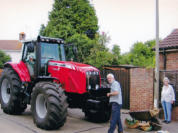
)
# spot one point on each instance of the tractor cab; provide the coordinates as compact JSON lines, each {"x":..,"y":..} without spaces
{"x":37,"y":54}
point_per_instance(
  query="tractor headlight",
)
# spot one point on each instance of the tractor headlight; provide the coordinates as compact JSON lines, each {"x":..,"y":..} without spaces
{"x":92,"y":80}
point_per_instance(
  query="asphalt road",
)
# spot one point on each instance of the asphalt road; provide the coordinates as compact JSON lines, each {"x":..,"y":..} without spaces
{"x":76,"y":123}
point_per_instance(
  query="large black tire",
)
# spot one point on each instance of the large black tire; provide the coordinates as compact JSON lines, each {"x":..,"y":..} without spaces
{"x":48,"y":105}
{"x":11,"y":97}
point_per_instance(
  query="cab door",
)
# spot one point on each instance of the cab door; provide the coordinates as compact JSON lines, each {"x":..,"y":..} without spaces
{"x":29,"y":57}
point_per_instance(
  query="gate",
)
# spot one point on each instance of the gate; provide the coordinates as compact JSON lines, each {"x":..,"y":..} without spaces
{"x":122,"y":75}
{"x":173,"y":77}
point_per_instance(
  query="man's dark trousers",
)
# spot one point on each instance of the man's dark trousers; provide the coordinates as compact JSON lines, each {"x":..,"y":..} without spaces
{"x":115,"y":118}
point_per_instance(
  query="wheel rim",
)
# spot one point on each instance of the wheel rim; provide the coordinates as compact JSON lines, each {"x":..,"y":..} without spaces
{"x":5,"y":91}
{"x":41,"y":106}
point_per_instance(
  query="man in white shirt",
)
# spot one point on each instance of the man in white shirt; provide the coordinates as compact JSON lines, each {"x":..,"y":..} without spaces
{"x":116,"y":101}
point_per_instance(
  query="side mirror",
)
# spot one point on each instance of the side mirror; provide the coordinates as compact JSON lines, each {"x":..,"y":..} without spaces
{"x":30,"y":47}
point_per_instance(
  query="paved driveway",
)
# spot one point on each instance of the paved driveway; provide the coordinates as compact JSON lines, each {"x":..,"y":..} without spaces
{"x":76,"y":123}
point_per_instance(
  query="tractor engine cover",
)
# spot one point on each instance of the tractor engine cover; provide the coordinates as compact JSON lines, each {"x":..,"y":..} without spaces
{"x":75,"y":77}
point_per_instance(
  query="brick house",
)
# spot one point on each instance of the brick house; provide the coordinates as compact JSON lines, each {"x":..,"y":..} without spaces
{"x":13,"y":47}
{"x":169,"y":52}
{"x":138,"y":83}
{"x":142,"y":80}
{"x":169,"y":64}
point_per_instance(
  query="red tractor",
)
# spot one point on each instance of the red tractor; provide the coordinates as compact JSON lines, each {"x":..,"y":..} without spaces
{"x":50,"y":81}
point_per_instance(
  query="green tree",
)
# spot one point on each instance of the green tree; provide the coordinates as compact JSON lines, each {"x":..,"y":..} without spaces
{"x":103,"y":39}
{"x":117,"y":54}
{"x":42,"y":30}
{"x":141,"y":54}
{"x":74,"y":21}
{"x":84,"y":45}
{"x":70,"y":17}
{"x":99,"y":57}
{"x":99,"y":54}
{"x":3,"y":58}
{"x":125,"y":59}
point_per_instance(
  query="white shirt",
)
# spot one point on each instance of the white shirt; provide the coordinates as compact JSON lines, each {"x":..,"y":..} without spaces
{"x":167,"y":94}
{"x":115,"y":86}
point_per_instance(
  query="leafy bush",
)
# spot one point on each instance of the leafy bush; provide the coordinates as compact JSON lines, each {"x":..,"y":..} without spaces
{"x":3,"y":58}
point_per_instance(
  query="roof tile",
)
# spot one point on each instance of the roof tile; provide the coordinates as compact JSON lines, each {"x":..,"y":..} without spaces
{"x":170,"y":41}
{"x":10,"y":45}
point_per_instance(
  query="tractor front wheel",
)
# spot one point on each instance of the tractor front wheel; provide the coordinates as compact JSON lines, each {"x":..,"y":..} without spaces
{"x":48,"y":105}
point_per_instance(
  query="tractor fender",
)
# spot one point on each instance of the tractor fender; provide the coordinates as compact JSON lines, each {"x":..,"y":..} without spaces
{"x":21,"y":69}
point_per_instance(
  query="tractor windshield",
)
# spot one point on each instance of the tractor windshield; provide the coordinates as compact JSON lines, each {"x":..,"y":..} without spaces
{"x":52,"y":52}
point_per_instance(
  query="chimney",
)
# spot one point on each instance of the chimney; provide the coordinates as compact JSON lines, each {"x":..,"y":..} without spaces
{"x":22,"y":36}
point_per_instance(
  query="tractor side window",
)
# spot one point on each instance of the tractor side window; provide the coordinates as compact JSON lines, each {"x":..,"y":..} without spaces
{"x":62,"y":49}
{"x":29,"y":57}
{"x":24,"y":57}
{"x":27,"y":54}
{"x":70,"y":55}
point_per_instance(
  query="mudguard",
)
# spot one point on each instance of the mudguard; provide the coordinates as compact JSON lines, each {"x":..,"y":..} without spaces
{"x":21,"y":69}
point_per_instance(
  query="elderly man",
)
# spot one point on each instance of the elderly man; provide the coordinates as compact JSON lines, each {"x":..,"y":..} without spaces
{"x":116,"y":102}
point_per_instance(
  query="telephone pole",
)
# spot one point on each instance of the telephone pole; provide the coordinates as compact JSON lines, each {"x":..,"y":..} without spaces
{"x":156,"y":88}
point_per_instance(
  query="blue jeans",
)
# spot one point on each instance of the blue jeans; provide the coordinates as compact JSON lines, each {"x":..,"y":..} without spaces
{"x":115,"y":118}
{"x":167,"y":107}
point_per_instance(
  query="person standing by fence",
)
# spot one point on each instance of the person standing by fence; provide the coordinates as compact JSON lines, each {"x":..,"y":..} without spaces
{"x":167,"y":99}
{"x":116,"y":102}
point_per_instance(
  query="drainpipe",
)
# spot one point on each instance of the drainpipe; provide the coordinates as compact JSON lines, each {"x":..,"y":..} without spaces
{"x":165,"y":58}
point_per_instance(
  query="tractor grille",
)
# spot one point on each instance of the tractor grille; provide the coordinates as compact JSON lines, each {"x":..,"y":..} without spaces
{"x":92,"y":80}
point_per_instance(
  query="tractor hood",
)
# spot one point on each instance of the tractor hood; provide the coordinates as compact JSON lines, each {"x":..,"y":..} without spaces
{"x":74,"y":77}
{"x":73,"y":65}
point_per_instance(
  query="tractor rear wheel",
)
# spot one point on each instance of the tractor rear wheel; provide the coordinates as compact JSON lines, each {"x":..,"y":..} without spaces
{"x":11,"y":97}
{"x":48,"y":105}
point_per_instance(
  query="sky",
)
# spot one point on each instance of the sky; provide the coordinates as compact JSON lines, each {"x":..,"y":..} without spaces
{"x":125,"y":21}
